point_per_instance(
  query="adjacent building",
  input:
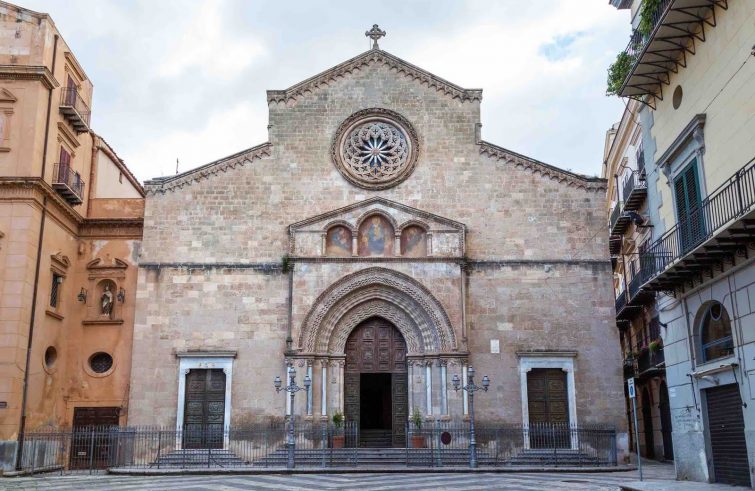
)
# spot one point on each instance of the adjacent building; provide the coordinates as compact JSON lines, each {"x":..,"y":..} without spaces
{"x":70,"y":231}
{"x":690,"y":65}
{"x":637,"y":316}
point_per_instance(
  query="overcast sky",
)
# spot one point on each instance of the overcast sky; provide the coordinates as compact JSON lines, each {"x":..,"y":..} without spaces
{"x":186,"y":79}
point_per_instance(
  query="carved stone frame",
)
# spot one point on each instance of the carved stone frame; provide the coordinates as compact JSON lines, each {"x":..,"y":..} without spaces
{"x":375,"y":114}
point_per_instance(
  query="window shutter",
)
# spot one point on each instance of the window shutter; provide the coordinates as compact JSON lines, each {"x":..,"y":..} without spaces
{"x":688,"y":203}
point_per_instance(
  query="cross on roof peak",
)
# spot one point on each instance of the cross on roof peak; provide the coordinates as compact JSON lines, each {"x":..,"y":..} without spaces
{"x":375,"y":33}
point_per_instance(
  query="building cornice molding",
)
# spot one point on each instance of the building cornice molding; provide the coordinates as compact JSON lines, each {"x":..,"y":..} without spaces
{"x":26,"y":72}
{"x":122,"y":228}
{"x":373,"y":56}
{"x":162,"y":184}
{"x":546,"y":170}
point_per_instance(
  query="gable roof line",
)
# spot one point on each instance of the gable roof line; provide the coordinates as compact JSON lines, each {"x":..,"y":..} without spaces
{"x":170,"y":183}
{"x":369,"y":201}
{"x":547,"y":170}
{"x":374,"y":56}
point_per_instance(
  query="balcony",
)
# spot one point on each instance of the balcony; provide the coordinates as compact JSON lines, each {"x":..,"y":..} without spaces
{"x":722,"y":227}
{"x":619,"y":221}
{"x":635,"y":190}
{"x":621,"y":303}
{"x":674,"y":28}
{"x":628,"y":366}
{"x":614,"y":244}
{"x":68,"y":184}
{"x":74,"y":109}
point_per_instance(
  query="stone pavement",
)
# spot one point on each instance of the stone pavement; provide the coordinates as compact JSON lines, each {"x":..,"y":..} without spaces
{"x":661,"y":475}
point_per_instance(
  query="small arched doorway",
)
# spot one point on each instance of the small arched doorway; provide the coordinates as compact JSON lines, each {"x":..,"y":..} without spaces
{"x":375,"y":383}
{"x":647,"y":424}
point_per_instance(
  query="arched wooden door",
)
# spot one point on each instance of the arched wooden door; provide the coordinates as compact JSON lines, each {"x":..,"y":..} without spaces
{"x":375,"y":385}
{"x":647,"y":423}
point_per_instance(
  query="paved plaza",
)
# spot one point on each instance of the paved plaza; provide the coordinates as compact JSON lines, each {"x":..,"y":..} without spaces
{"x":661,"y":474}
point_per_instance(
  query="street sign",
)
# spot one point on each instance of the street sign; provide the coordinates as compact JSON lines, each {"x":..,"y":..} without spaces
{"x":630,"y":387}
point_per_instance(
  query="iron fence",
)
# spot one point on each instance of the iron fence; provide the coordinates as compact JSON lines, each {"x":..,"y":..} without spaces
{"x":733,"y":199}
{"x":317,"y":444}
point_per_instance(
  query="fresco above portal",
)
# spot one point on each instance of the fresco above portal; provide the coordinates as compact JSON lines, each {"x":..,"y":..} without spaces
{"x":338,"y":241}
{"x":413,"y":242}
{"x":376,"y":237}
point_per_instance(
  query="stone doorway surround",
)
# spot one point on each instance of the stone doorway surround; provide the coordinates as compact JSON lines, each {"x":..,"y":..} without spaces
{"x":204,"y":360}
{"x":548,"y":359}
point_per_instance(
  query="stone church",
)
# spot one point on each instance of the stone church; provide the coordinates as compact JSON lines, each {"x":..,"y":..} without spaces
{"x":377,"y":244}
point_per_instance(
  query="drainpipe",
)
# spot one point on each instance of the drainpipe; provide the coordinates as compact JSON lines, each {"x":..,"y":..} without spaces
{"x":30,"y":337}
{"x":92,"y":166}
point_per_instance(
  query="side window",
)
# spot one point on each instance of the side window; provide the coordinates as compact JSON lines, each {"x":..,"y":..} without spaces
{"x":715,"y":332}
{"x":55,"y":288}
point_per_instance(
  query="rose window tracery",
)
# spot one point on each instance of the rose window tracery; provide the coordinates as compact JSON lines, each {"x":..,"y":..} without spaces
{"x":375,"y":148}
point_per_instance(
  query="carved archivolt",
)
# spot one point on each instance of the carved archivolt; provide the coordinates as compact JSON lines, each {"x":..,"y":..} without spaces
{"x":380,"y":292}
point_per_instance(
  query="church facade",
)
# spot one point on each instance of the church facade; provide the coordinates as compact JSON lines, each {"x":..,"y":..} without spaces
{"x":378,"y":245}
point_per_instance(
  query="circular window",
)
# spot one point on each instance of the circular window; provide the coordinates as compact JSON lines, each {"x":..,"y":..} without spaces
{"x":100,"y":362}
{"x":677,"y":98}
{"x":375,"y":148}
{"x":51,"y":356}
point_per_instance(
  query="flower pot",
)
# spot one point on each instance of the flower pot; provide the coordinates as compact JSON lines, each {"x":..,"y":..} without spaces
{"x":338,"y":441}
{"x":418,"y":441}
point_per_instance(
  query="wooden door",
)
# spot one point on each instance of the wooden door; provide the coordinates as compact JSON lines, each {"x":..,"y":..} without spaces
{"x":92,"y":446}
{"x":376,"y":346}
{"x":204,"y":409}
{"x":665,"y":410}
{"x":727,"y":435}
{"x":548,"y":402}
{"x":647,"y":424}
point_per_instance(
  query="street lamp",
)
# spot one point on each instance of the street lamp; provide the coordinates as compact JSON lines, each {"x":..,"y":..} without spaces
{"x":292,"y":389}
{"x":471,"y":388}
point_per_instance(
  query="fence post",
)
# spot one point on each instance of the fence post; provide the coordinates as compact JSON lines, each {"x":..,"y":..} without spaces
{"x":324,"y":442}
{"x":159,"y":445}
{"x":91,"y":449}
{"x":33,"y":454}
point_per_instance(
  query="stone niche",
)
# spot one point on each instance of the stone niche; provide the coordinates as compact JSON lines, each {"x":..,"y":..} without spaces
{"x":377,"y":228}
{"x":104,"y":299}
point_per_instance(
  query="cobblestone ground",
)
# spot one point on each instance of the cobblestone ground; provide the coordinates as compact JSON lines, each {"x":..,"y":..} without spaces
{"x":362,"y":482}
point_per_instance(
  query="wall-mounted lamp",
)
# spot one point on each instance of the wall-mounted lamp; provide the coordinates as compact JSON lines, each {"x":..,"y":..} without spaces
{"x":121,"y":295}
{"x":82,"y":296}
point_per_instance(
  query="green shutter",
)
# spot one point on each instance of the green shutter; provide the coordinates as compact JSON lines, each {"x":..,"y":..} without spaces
{"x":688,"y":203}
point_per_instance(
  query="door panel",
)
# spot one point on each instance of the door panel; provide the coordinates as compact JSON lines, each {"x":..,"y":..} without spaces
{"x":91,"y":445}
{"x":204,"y":409}
{"x":548,"y":402}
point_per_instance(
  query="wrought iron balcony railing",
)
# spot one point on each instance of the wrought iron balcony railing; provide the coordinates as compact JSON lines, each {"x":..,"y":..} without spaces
{"x":74,"y":109}
{"x":619,"y":221}
{"x":731,"y":203}
{"x":634,"y":190}
{"x":68,"y":183}
{"x":661,"y":43}
{"x":621,"y":303}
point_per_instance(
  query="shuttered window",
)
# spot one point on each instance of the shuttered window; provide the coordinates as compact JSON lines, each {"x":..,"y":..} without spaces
{"x":688,"y":209}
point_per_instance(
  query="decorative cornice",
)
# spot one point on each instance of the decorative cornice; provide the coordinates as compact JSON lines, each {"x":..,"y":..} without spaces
{"x":546,"y":170}
{"x":162,"y":184}
{"x":546,"y":354}
{"x":375,"y":56}
{"x":25,"y":72}
{"x":123,"y":228}
{"x":206,"y":354}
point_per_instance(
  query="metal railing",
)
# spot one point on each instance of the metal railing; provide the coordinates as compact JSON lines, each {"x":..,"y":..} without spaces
{"x":638,"y":40}
{"x":633,"y":181}
{"x":615,"y":214}
{"x":64,"y":174}
{"x":621,"y":301}
{"x":70,"y":97}
{"x":436,"y":444}
{"x":733,"y":199}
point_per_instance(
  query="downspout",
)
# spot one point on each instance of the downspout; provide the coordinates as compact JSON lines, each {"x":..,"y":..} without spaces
{"x":93,"y":164}
{"x":30,"y":337}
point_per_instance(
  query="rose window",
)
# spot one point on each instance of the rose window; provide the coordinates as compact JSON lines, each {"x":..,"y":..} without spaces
{"x":375,"y":148}
{"x":376,"y":151}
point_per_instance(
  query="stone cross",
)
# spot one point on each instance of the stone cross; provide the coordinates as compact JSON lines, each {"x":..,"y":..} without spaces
{"x":375,"y":33}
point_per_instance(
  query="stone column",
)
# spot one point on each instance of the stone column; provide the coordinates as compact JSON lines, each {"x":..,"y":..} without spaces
{"x":311,"y":391}
{"x":443,"y":366}
{"x":397,"y":245}
{"x":429,"y":239}
{"x":354,"y":243}
{"x":324,"y":388}
{"x":429,"y":388}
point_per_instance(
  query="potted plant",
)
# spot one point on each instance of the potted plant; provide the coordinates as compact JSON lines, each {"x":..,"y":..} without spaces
{"x":418,"y":441}
{"x":338,"y":439}
{"x":654,"y":345}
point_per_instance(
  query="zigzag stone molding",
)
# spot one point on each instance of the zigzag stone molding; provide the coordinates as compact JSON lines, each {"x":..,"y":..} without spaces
{"x":419,"y":315}
{"x":162,"y":184}
{"x":560,"y":175}
{"x":373,"y":56}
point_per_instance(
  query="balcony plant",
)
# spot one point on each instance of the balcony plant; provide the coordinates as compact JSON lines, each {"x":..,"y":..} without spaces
{"x":418,"y":441}
{"x":338,"y":436}
{"x":647,"y":16}
{"x":655,"y":345}
{"x":618,"y":72}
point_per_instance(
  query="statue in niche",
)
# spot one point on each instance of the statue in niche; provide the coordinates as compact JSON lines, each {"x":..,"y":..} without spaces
{"x":106,"y":302}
